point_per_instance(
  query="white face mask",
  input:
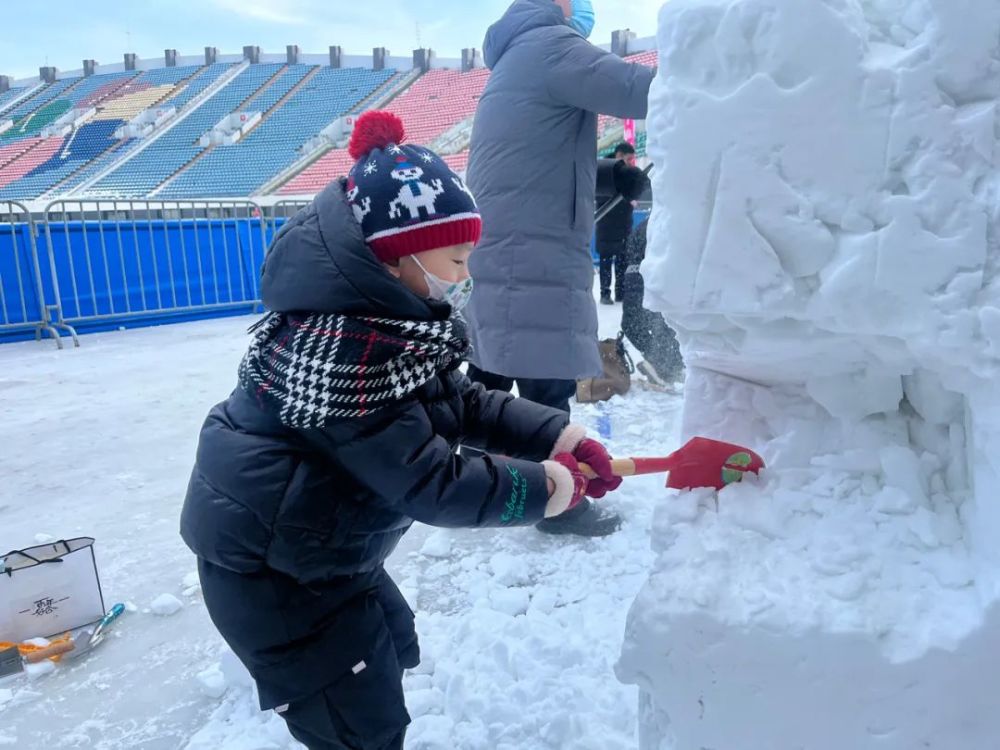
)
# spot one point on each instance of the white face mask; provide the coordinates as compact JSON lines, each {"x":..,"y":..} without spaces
{"x":455,"y":293}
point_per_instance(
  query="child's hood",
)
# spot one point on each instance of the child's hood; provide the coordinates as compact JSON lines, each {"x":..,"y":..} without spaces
{"x":319,"y":262}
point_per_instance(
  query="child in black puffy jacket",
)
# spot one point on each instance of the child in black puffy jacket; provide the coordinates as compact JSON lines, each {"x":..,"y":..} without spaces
{"x":343,"y":431}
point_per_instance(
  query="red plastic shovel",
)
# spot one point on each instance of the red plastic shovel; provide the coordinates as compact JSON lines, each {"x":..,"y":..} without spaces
{"x":701,"y":463}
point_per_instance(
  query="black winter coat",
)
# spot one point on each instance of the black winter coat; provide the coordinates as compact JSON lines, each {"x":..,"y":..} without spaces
{"x":296,"y":518}
{"x":617,"y":178}
{"x":614,"y":229}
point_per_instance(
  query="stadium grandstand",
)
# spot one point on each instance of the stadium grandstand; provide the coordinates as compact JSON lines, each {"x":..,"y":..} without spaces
{"x":148,"y":192}
{"x":249,"y":125}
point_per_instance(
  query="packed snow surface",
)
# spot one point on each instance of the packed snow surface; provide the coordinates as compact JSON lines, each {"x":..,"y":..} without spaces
{"x":825,"y":238}
{"x":519,"y":631}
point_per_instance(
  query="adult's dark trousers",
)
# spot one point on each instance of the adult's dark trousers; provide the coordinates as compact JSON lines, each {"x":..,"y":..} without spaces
{"x":552,"y":393}
{"x":612,"y":267}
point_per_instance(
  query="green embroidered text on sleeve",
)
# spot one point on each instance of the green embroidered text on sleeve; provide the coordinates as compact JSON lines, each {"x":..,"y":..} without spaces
{"x":514,"y":507}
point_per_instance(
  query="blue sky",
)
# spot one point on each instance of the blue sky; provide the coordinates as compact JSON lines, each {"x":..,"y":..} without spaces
{"x":104,"y":31}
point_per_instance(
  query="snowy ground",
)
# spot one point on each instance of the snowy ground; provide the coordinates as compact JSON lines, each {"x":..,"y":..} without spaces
{"x":519,"y":631}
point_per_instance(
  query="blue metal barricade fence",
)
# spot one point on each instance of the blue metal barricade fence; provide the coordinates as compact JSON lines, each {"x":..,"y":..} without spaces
{"x":97,"y":264}
{"x":28,"y":302}
{"x":117,"y":261}
{"x":281,"y":211}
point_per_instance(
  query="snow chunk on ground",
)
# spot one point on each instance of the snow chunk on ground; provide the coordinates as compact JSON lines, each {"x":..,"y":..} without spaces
{"x":191,"y":585}
{"x":510,"y":601}
{"x":37,"y":671}
{"x":212,"y":682}
{"x":233,"y":670}
{"x":438,"y":545}
{"x":166,"y":605}
{"x":431,"y":733}
{"x":239,"y":724}
{"x":510,"y":570}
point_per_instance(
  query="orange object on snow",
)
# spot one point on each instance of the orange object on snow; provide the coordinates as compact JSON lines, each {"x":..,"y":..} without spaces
{"x":34,"y":654}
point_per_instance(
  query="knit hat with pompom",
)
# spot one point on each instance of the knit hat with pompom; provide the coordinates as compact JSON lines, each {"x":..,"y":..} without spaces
{"x":406,"y":198}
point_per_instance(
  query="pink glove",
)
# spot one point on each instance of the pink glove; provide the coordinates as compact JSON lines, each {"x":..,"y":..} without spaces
{"x":579,"y":479}
{"x":596,"y":456}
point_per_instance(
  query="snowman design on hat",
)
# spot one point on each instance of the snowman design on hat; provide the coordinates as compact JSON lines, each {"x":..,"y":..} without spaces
{"x":365,"y":207}
{"x":414,"y":195}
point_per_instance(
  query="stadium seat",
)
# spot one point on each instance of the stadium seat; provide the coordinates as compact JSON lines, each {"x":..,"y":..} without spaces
{"x":296,"y":101}
{"x":437,"y":101}
{"x":9,"y":96}
{"x":143,"y":173}
{"x":273,"y":145}
{"x":116,"y":97}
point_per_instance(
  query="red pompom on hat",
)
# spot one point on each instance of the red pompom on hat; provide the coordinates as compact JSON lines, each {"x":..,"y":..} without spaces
{"x":375,"y":129}
{"x":406,"y":198}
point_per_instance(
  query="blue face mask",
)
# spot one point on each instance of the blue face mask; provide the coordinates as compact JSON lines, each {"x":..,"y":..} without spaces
{"x":582,"y":18}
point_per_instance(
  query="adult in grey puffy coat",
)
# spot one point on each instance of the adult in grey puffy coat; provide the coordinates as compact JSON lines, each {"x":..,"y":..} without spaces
{"x":533,"y":168}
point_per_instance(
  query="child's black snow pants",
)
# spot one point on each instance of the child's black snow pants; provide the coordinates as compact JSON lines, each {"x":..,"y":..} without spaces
{"x":358,"y":644}
{"x":317,"y":723}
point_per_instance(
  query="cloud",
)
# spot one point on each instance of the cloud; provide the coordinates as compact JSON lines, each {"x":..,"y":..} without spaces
{"x":188,"y":25}
{"x":639,"y":15}
{"x":264,"y":10}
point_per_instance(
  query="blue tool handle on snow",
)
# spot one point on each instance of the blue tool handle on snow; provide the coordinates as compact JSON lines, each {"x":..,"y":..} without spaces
{"x":116,"y":611}
{"x":113,"y":614}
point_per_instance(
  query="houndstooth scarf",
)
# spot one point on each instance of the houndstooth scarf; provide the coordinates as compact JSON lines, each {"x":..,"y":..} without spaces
{"x":311,"y":369}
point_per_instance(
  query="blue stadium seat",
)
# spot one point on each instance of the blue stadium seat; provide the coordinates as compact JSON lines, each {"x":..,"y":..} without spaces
{"x":92,"y":148}
{"x":171,"y":76}
{"x":144,"y":172}
{"x":297,"y":102}
{"x":90,"y":170}
{"x":43,"y":97}
{"x":273,"y":145}
{"x":9,"y":96}
{"x":86,"y":143}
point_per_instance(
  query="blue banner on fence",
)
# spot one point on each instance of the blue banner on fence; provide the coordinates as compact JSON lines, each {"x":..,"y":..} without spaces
{"x":125,"y":274}
{"x":135,"y":273}
{"x":19,"y":303}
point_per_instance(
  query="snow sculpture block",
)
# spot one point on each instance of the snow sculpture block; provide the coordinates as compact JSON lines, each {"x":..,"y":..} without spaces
{"x":825,"y":239}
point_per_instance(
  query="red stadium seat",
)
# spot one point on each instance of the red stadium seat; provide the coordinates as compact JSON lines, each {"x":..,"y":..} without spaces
{"x":437,"y":101}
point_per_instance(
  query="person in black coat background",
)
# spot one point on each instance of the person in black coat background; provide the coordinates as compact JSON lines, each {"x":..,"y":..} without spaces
{"x":343,"y":431}
{"x":612,"y":232}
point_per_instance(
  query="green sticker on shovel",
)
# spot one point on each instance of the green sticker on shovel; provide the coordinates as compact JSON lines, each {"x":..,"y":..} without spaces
{"x":736,"y":467}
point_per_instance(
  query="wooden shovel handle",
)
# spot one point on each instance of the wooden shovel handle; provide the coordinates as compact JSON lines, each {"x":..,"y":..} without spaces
{"x":633,"y":467}
{"x":56,"y":649}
